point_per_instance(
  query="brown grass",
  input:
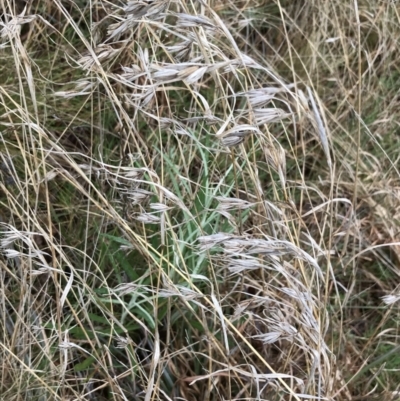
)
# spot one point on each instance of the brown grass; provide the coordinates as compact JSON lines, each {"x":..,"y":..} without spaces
{"x":199,"y":200}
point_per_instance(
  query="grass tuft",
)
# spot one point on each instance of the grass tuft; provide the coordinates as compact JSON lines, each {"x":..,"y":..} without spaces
{"x":199,"y":200}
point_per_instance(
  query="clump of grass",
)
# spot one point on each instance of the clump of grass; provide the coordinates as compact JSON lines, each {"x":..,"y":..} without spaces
{"x":198,"y":200}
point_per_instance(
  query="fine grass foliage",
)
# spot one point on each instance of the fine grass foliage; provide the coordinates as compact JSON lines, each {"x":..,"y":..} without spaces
{"x":199,"y":200}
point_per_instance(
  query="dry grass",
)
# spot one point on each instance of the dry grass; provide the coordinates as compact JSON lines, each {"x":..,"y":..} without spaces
{"x":199,"y":200}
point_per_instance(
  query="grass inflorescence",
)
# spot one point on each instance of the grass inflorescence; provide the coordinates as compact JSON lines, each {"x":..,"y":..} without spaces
{"x":199,"y":200}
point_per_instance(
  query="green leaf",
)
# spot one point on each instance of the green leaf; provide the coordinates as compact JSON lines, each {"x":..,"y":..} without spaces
{"x":120,"y":240}
{"x":85,"y":364}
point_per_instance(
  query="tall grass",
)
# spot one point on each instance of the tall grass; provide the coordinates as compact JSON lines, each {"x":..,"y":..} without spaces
{"x":199,"y":200}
